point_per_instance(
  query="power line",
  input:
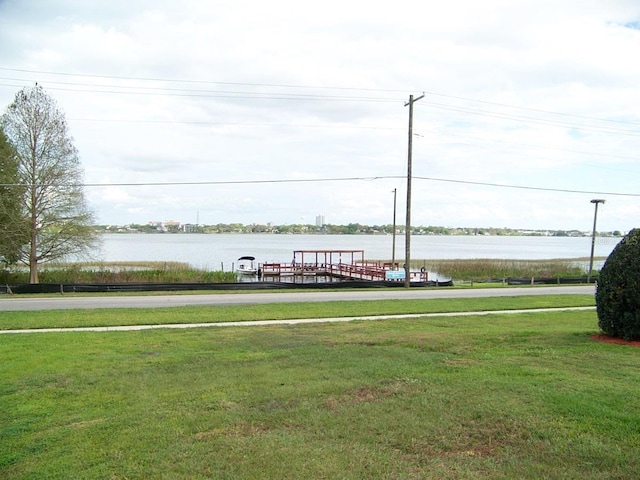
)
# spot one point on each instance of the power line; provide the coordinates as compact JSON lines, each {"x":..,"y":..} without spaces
{"x":90,"y":87}
{"x":211,"y":182}
{"x":476,"y":141}
{"x":245,"y":95}
{"x":534,"y":120}
{"x":332,"y":179}
{"x":234,"y":124}
{"x":210,"y":82}
{"x":149,"y":90}
{"x":262,"y":96}
{"x":218,"y":94}
{"x":164,"y":91}
{"x":294,"y":86}
{"x":550,"y":112}
{"x":545,"y":147}
{"x":524,"y":187}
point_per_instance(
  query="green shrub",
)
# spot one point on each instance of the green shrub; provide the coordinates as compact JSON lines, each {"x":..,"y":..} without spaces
{"x":618,"y":290}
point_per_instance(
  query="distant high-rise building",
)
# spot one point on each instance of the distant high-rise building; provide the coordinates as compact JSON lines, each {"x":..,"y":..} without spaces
{"x":320,"y":221}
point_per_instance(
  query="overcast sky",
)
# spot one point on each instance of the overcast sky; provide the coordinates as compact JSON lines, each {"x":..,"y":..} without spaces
{"x":256,"y":112}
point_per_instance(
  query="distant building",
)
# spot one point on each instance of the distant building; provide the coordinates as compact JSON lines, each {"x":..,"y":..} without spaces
{"x":172,"y":224}
{"x":166,"y":226}
{"x":320,"y":221}
{"x":157,"y":225}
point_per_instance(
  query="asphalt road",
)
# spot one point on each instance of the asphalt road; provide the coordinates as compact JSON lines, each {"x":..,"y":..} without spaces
{"x":62,"y":302}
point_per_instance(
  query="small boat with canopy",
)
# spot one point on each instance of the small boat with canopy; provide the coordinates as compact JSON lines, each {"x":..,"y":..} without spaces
{"x":247,"y":265}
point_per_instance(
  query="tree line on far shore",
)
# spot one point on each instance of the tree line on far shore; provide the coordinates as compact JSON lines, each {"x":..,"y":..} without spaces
{"x":349,"y":229}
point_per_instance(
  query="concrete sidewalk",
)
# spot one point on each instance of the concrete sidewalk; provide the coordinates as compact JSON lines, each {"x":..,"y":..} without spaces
{"x":300,"y":321}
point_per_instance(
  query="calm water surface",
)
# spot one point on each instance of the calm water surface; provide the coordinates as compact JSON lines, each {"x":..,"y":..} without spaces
{"x":221,"y":251}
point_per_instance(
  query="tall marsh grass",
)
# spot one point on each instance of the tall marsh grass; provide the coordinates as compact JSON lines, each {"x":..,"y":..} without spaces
{"x":119,"y":272}
{"x":474,"y":269}
{"x":482,"y":269}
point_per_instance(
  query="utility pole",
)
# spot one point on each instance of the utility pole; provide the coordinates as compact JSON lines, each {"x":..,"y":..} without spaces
{"x":393,"y":250}
{"x":595,"y":201}
{"x":407,"y":233}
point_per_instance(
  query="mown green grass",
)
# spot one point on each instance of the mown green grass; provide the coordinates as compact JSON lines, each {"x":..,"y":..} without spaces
{"x":504,"y":396}
{"x":284,"y":311}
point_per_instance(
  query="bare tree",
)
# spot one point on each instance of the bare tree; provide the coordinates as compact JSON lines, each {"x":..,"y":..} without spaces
{"x":57,"y":217}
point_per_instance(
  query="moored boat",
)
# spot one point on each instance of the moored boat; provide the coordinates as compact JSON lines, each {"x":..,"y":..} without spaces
{"x":247,"y":265}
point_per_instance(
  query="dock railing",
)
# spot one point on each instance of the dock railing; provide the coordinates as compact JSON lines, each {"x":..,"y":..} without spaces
{"x":372,"y":271}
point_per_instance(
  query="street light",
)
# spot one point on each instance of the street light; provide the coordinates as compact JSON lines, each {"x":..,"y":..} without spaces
{"x":595,"y":201}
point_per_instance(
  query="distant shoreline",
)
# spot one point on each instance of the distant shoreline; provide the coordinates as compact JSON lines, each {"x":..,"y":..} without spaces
{"x":417,"y":231}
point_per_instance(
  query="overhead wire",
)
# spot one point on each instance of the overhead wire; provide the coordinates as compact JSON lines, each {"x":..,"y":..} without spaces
{"x":538,"y":110}
{"x":533,"y":120}
{"x":166,"y":91}
{"x":187,"y":92}
{"x":294,"y":86}
{"x":329,"y":179}
{"x":541,"y":147}
{"x":318,"y":87}
{"x":238,"y":124}
{"x":525,"y":187}
{"x":191,"y":81}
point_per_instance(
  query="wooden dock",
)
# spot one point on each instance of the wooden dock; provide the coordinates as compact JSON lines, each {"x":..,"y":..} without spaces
{"x":335,"y":264}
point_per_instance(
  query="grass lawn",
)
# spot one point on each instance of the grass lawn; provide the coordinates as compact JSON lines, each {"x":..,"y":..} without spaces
{"x":230,"y":313}
{"x":505,"y":396}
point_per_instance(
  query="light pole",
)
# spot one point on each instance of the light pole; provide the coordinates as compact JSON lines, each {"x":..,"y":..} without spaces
{"x":393,"y":250}
{"x":595,"y":201}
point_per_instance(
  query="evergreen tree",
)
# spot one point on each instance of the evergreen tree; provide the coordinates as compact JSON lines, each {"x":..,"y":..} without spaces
{"x":618,"y":290}
{"x":11,"y":221}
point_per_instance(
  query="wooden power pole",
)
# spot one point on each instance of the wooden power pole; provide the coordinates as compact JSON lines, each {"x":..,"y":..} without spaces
{"x":407,"y":233}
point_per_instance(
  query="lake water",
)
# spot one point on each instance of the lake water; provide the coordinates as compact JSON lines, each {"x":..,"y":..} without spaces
{"x":221,"y":251}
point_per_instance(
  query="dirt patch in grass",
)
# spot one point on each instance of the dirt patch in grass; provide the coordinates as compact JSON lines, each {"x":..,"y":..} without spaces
{"x":455,"y":362}
{"x":601,"y":337}
{"x":367,"y":394}
{"x":86,"y":423}
{"x":249,"y":429}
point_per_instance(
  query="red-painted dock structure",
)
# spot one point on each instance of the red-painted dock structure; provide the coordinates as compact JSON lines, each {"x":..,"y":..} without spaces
{"x":335,"y":264}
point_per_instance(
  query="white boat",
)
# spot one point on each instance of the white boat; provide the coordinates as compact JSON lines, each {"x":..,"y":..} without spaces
{"x":247,"y":266}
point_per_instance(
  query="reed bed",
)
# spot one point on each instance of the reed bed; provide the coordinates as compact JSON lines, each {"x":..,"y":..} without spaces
{"x":474,"y":269}
{"x":120,"y":272}
{"x":483,"y":269}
